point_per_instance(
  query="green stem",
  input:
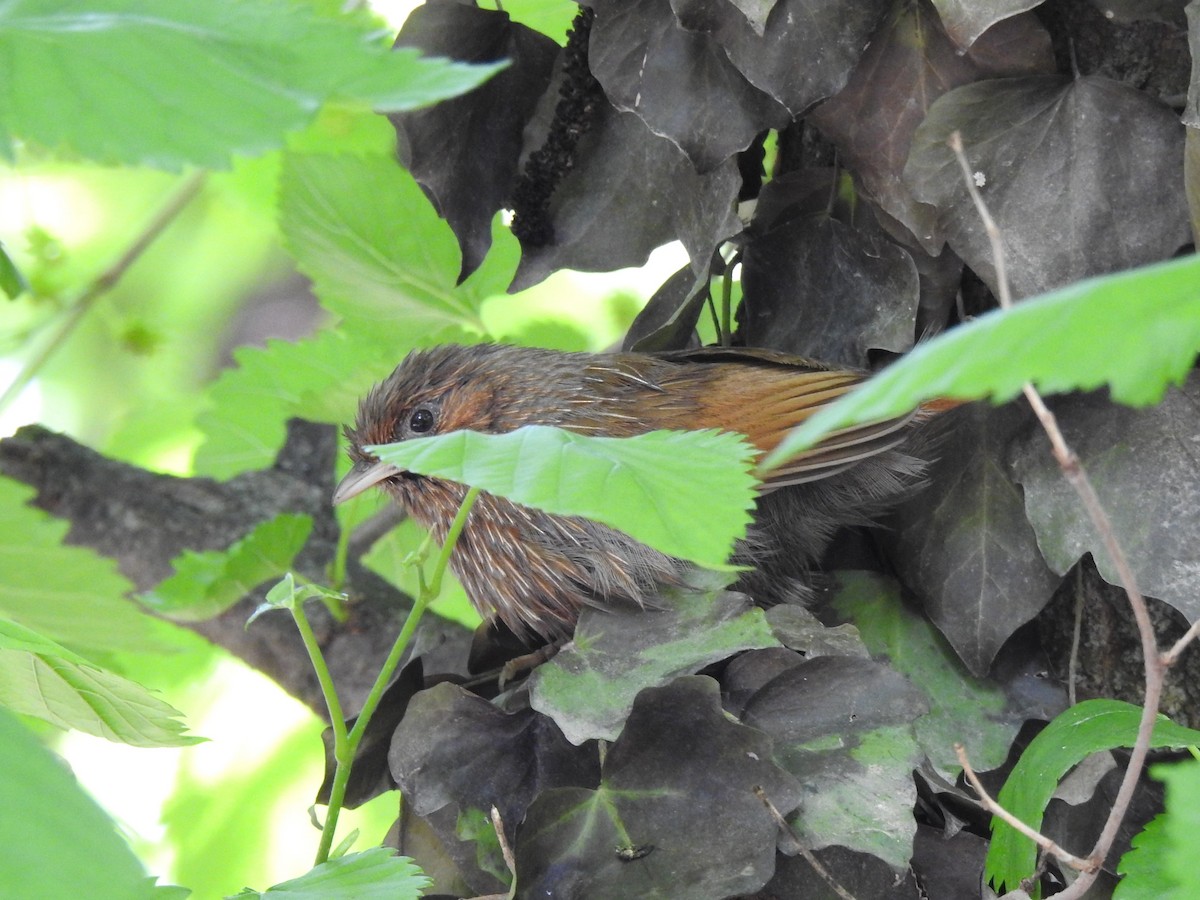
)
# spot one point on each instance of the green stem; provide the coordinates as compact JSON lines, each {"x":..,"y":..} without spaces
{"x":345,"y":745}
{"x":727,"y":305}
{"x":336,"y":719}
{"x":105,"y":281}
{"x":318,"y":660}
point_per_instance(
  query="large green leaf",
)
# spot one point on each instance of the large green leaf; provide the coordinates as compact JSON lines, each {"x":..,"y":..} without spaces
{"x":685,"y":493}
{"x":54,"y":840}
{"x":366,"y":234}
{"x":1086,"y":728}
{"x":194,"y":81}
{"x":1136,"y":331}
{"x":69,"y":594}
{"x":41,"y":678}
{"x":319,"y":378}
{"x":205,"y":584}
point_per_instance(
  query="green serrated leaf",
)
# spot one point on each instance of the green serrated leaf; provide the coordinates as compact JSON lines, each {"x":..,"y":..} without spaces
{"x":287,"y":595}
{"x":684,"y":493}
{"x":1143,"y":873}
{"x":206,"y":584}
{"x":41,"y":678}
{"x":1181,"y":825}
{"x":57,"y":842}
{"x":70,"y":594}
{"x":375,"y":874}
{"x":340,"y":215}
{"x":109,"y":79}
{"x":250,"y":404}
{"x":1085,"y":728}
{"x":1136,"y":331}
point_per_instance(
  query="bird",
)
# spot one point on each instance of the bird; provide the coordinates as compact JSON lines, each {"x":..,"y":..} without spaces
{"x":534,"y":571}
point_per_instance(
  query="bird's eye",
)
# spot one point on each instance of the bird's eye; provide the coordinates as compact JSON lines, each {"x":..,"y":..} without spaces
{"x":421,"y":420}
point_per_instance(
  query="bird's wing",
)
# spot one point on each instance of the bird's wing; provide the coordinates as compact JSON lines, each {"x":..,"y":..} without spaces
{"x":766,"y":396}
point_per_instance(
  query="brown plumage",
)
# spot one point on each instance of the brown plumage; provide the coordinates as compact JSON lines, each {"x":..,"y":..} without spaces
{"x":535,"y":571}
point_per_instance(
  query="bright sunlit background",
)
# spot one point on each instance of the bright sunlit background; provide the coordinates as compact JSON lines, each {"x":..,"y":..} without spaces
{"x":129,"y":379}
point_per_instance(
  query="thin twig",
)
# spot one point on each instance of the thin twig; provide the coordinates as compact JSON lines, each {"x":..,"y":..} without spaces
{"x":801,"y":847}
{"x":1172,"y":656}
{"x":989,"y":224}
{"x":1083,"y":865}
{"x":505,"y":850}
{"x":105,"y":281}
{"x":1076,"y":634}
{"x":1154,"y":664}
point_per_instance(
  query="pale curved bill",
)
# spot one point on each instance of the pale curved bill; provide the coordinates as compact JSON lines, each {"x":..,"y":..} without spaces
{"x":361,"y":477}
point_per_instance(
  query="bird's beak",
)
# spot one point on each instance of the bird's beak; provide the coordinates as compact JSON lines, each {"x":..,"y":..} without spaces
{"x":364,"y":475}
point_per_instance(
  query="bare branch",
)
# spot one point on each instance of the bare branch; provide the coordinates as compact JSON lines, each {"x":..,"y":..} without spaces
{"x":176,"y":203}
{"x":1169,"y":658}
{"x":505,"y":849}
{"x":1155,"y":666}
{"x":1049,"y":846}
{"x":800,"y":847}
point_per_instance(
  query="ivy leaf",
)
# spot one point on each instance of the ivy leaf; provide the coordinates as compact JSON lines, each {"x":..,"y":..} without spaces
{"x":41,"y":678}
{"x":1143,"y":466}
{"x":842,"y":726}
{"x":860,"y":290}
{"x":675,"y":814}
{"x":1135,"y":331}
{"x":966,"y":20}
{"x":969,"y":710}
{"x":964,"y":544}
{"x":375,"y":874}
{"x":681,"y":83}
{"x":684,"y":493}
{"x":1037,"y":145}
{"x":110,"y":80}
{"x":669,"y":318}
{"x":454,"y":755}
{"x":1086,"y":728}
{"x":590,"y":686}
{"x":57,"y":840}
{"x":909,"y":63}
{"x":206,"y":584}
{"x":70,"y":594}
{"x":466,"y":152}
{"x":829,"y":35}
{"x":630,"y":191}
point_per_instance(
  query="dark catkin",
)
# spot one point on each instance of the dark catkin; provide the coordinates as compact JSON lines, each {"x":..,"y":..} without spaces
{"x":548,"y":165}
